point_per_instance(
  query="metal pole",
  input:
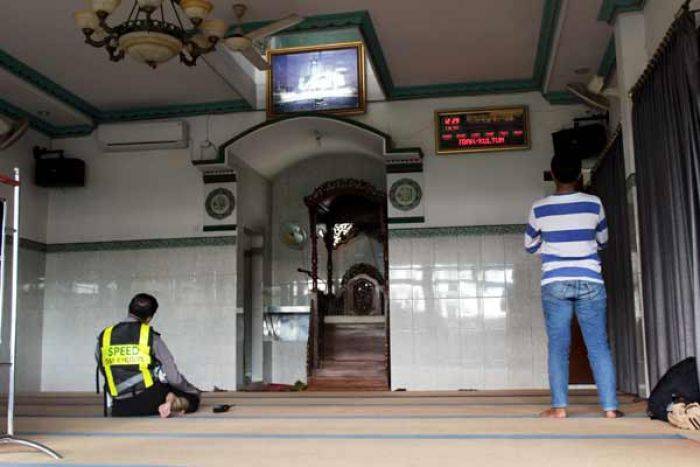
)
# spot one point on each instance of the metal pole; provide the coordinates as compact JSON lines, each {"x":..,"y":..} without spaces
{"x":13,"y":309}
{"x":9,"y":438}
{"x":3,"y":261}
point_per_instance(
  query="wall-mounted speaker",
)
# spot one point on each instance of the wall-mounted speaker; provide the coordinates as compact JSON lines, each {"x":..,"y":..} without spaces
{"x":582,"y":141}
{"x":54,"y":170}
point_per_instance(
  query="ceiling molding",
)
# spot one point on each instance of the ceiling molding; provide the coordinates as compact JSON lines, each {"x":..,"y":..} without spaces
{"x":609,"y":61}
{"x":464,"y":89}
{"x":31,"y":76}
{"x":359,"y":19}
{"x":174,"y":111}
{"x":548,"y":29}
{"x":611,"y":8}
{"x":561,"y":98}
{"x":42,"y":126}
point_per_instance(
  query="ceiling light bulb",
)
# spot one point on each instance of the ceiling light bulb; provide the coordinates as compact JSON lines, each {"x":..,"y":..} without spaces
{"x":108,"y":6}
{"x":214,"y":28}
{"x":86,"y":19}
{"x":196,"y":10}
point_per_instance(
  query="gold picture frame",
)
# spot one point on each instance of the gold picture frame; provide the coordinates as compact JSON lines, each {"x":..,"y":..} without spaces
{"x":521,"y":109}
{"x":361,"y":106}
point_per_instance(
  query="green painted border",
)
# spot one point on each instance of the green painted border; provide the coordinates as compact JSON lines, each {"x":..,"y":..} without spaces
{"x":548,"y":27}
{"x":359,"y":19}
{"x":609,"y":61}
{"x":27,"y":244}
{"x":458,"y":231}
{"x":561,"y":98}
{"x":147,"y":244}
{"x":406,"y":220}
{"x":42,"y":126}
{"x":611,"y":8}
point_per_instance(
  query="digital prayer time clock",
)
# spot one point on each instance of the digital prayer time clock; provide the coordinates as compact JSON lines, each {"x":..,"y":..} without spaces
{"x":481,"y":130}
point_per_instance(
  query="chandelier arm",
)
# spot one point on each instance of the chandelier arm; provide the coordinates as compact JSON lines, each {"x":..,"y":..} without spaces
{"x":89,"y":40}
{"x":115,"y":54}
{"x":189,"y":61}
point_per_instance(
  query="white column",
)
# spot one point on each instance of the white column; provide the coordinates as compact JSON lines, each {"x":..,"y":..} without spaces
{"x":632,"y":58}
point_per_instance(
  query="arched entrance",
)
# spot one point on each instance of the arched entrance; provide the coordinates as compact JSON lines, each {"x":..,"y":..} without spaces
{"x":348,"y":345}
{"x":277,"y":163}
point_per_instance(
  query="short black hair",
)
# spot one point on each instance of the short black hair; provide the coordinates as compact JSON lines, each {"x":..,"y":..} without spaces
{"x":566,"y":169}
{"x":143,"y":306}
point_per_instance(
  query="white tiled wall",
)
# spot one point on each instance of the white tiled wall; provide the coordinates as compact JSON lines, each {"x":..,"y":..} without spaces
{"x":465,"y":313}
{"x":87,"y":291}
{"x":29,"y":322}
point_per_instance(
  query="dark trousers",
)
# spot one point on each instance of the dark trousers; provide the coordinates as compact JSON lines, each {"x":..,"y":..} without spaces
{"x":147,"y":402}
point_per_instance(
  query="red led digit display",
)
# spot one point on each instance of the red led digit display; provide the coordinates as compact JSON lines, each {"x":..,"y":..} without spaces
{"x":479,"y":130}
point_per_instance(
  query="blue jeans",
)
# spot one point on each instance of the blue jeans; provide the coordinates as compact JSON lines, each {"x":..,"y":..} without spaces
{"x":560,"y":300}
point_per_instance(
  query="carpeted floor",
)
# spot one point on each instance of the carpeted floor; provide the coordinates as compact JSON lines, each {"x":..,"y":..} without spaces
{"x":352,"y":429}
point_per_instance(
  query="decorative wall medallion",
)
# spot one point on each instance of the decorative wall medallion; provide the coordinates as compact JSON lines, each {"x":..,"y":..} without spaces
{"x":220,"y":203}
{"x":405,"y":194}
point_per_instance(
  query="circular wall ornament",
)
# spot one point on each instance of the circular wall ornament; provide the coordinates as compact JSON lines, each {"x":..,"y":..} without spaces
{"x":220,"y":203}
{"x":405,"y":194}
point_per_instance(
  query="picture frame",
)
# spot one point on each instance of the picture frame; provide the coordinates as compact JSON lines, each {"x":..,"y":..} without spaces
{"x":328,"y":78}
{"x":483,"y":129}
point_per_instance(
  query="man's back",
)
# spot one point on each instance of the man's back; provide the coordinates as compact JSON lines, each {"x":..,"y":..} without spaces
{"x":567,"y":231}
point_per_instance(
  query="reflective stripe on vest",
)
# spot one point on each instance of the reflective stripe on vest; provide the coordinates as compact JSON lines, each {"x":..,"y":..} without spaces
{"x":126,"y":354}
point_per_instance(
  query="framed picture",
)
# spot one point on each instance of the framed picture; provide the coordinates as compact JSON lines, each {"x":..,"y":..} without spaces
{"x":482,"y":130}
{"x":328,"y":78}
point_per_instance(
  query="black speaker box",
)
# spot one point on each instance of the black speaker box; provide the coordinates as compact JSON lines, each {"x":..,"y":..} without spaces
{"x":582,"y":141}
{"x":59,"y":172}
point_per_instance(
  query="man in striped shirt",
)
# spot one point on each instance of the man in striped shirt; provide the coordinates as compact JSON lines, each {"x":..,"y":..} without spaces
{"x":566,"y":230}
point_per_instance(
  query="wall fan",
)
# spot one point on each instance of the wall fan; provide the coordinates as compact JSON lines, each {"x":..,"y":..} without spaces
{"x":592,"y":94}
{"x":243,"y":43}
{"x":293,"y":235}
{"x":11,"y":131}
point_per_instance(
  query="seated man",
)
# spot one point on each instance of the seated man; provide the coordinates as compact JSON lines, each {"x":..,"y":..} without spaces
{"x":140,"y":372}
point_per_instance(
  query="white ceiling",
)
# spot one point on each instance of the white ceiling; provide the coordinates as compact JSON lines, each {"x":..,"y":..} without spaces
{"x":424,"y":43}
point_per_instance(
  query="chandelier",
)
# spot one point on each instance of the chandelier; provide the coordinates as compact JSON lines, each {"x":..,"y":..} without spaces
{"x":150,"y":36}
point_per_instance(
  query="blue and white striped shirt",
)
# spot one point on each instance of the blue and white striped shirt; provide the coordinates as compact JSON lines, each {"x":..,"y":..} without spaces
{"x":567,"y":231}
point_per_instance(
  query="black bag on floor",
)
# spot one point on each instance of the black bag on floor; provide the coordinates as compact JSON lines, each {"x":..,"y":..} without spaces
{"x":679,"y":383}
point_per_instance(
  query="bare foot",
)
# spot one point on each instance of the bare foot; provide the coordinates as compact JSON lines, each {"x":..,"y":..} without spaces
{"x":613,"y":414}
{"x":166,"y":408}
{"x":554,"y":412}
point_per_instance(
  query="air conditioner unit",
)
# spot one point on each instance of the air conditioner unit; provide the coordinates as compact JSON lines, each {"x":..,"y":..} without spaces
{"x":143,"y":136}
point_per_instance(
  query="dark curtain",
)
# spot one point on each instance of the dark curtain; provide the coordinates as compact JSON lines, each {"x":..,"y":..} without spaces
{"x":608,"y":182}
{"x":666,"y":121}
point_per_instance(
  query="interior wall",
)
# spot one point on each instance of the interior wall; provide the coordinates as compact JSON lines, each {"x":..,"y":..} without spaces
{"x":158,"y":194}
{"x":465,"y":312}
{"x":658,"y":16}
{"x":33,"y":219}
{"x":87,"y":291}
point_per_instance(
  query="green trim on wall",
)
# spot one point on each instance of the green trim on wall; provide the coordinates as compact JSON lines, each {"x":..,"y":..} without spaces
{"x":611,"y":8}
{"x":146,"y":244}
{"x":173,"y":111}
{"x":42,"y":126}
{"x":464,"y":89}
{"x":26,"y":244}
{"x":459,"y":231}
{"x":561,"y":98}
{"x":609,"y":61}
{"x":548,"y":27}
{"x":406,"y":220}
{"x":30,"y":75}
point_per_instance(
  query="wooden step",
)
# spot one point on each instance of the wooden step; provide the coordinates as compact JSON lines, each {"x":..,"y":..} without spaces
{"x":319,"y":383}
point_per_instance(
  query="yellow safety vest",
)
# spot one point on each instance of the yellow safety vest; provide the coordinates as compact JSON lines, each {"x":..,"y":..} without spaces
{"x":131,"y":360}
